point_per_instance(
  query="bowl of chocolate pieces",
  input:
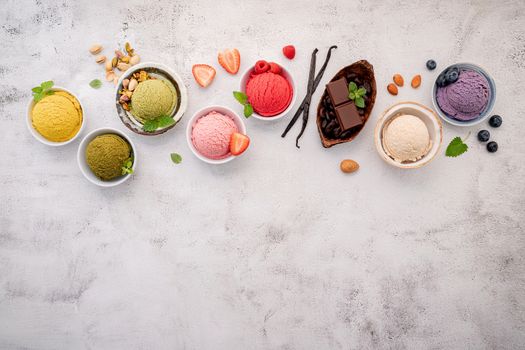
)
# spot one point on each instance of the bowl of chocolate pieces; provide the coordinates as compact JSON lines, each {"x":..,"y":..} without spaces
{"x":346,"y":103}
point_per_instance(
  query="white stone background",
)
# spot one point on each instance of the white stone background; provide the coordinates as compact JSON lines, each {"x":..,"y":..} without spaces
{"x":277,"y":249}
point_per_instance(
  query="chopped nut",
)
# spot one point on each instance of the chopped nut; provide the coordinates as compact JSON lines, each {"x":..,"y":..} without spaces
{"x":100,"y":59}
{"x":95,"y":49}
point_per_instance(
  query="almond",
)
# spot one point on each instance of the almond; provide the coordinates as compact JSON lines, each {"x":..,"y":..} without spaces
{"x":398,"y":79}
{"x":416,"y":81}
{"x":392,"y":88}
{"x":132,"y":84}
{"x":125,"y":83}
{"x":95,"y":49}
{"x":349,"y":166}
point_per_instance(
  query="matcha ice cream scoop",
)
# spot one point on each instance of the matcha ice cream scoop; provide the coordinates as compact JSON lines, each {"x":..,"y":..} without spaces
{"x":153,"y":98}
{"x":106,"y":155}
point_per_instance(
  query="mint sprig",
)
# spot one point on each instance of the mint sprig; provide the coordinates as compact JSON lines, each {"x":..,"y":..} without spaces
{"x":160,"y":122}
{"x":356,"y":94}
{"x":127,"y":167}
{"x":243,"y":100}
{"x":456,"y":147}
{"x":39,"y":92}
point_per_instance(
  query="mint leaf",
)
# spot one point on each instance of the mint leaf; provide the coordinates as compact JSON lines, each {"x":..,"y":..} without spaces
{"x":46,"y":85}
{"x":127,"y":167}
{"x":456,"y":147}
{"x":248,"y":110}
{"x":241,"y":97}
{"x":164,"y":121}
{"x":95,"y":83}
{"x":37,"y":89}
{"x":352,"y":86}
{"x":351,"y":95}
{"x":361,"y":91}
{"x":37,"y":97}
{"x":151,"y":125}
{"x":360,"y":102}
{"x":176,"y":158}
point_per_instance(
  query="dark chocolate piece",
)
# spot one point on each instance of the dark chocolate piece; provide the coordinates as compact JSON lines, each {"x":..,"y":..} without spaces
{"x":348,"y":116}
{"x":338,"y":91}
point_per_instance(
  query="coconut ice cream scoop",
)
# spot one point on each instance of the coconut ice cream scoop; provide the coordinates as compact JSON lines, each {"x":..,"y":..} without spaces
{"x":406,"y":138}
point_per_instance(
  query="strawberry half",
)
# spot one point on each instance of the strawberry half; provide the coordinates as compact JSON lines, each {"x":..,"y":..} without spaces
{"x":289,"y":52}
{"x":238,"y":143}
{"x":203,"y":74}
{"x":230,"y":59}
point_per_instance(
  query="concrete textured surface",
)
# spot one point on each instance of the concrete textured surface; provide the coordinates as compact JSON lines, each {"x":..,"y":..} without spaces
{"x":278,"y":249}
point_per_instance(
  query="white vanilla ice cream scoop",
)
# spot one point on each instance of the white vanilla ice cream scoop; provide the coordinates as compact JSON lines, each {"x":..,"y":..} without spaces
{"x":406,"y":138}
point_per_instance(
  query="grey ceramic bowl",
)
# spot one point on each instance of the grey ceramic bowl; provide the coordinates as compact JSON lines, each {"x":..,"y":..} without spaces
{"x":484,"y":114}
{"x":161,"y":71}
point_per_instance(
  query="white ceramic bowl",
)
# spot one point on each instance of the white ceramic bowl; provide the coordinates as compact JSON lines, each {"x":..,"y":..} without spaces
{"x":288,"y":76}
{"x":220,"y":109}
{"x":486,"y":112}
{"x":164,"y":72}
{"x":84,"y":167}
{"x":431,"y":120}
{"x":41,"y":138}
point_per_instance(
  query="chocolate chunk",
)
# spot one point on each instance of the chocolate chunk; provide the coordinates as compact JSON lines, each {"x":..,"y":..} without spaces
{"x":338,"y":91}
{"x":348,"y":116}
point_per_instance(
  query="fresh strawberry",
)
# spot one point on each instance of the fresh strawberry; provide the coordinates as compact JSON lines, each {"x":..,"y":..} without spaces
{"x":203,"y":74}
{"x":261,"y":67}
{"x":238,"y":143}
{"x":289,"y":51}
{"x":230,"y":59}
{"x":275,"y":68}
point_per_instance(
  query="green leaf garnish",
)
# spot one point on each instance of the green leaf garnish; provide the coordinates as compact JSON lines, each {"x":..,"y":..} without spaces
{"x":243,"y":100}
{"x":176,"y":158}
{"x":456,"y":147}
{"x":248,"y":110}
{"x":356,"y":94}
{"x":39,"y":92}
{"x":95,"y":83}
{"x":360,"y":102}
{"x":127,"y":167}
{"x":160,"y":122}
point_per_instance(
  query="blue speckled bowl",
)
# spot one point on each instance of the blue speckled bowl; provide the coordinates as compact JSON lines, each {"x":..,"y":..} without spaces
{"x":484,"y":114}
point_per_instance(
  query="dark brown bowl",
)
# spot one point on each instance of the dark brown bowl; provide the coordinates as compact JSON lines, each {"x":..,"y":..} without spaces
{"x":362,"y":72}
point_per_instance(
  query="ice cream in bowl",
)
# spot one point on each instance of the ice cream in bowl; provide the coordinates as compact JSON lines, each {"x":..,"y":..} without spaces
{"x":216,"y":135}
{"x":408,"y":135}
{"x":107,"y":157}
{"x":269,"y":89}
{"x":150,"y":98}
{"x":55,"y":117}
{"x":464,"y":94}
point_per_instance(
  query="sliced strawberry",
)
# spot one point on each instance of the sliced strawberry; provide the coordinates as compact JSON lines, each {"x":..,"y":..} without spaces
{"x":203,"y":74}
{"x":261,"y":66}
{"x":230,"y":59}
{"x":275,"y":68}
{"x":289,"y":51}
{"x":238,"y":143}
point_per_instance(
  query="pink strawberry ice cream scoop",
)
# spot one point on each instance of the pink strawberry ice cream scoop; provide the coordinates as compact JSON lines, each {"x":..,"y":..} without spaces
{"x":269,"y":93}
{"x":211,"y":135}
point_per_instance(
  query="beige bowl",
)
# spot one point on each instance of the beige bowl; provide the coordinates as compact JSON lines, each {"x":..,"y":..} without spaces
{"x":428,"y":116}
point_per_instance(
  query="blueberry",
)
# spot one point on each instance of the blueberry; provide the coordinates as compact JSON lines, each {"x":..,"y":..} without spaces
{"x":431,"y":64}
{"x":492,"y":146}
{"x":452,"y":76}
{"x":441,"y":80}
{"x":495,"y":121}
{"x":484,"y":135}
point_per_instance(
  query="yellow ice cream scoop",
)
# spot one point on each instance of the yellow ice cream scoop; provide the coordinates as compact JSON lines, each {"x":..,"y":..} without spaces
{"x":57,"y":117}
{"x":152,"y":99}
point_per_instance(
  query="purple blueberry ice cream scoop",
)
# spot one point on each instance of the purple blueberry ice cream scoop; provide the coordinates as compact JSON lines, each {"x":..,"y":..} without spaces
{"x":466,"y":98}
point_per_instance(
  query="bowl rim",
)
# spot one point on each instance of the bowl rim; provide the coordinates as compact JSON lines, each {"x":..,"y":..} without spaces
{"x":414,"y":165}
{"x":41,"y":138}
{"x":178,"y":79}
{"x":226,"y":110}
{"x":289,"y":77}
{"x":81,"y":159}
{"x":479,"y":119}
